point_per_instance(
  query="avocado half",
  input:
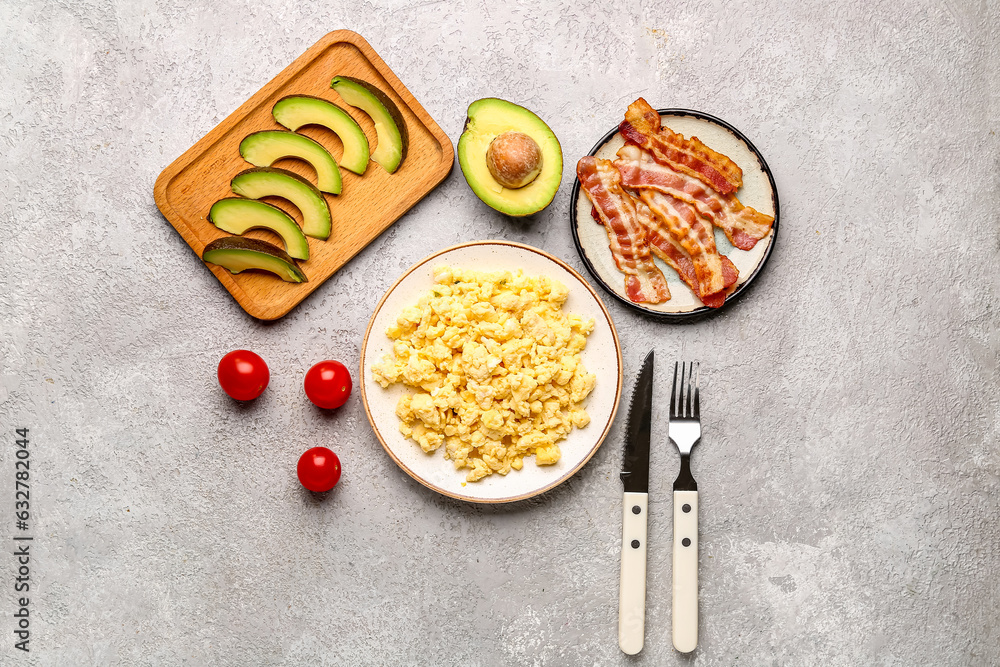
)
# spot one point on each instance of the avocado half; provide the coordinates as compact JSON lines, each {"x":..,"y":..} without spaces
{"x":262,"y":149}
{"x":238,"y":216}
{"x":390,"y":128}
{"x":271,"y":182}
{"x":487,"y":119}
{"x":236,"y":254}
{"x":297,"y":111}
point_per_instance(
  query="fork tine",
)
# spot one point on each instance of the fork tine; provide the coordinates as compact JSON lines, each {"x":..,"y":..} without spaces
{"x":697,"y":380}
{"x":688,"y":410}
{"x":673,"y":395}
{"x":683,"y":401}
{"x":692,"y":385}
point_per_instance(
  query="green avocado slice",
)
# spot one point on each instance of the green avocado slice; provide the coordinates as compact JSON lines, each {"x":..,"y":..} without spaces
{"x":237,"y":254}
{"x":238,"y":216}
{"x":262,"y":149}
{"x":487,"y":119}
{"x":390,"y":128}
{"x":270,"y":182}
{"x":297,"y":111}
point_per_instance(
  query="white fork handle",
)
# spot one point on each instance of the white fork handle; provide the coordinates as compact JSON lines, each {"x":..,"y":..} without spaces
{"x":632,"y":593}
{"x":685,"y":604}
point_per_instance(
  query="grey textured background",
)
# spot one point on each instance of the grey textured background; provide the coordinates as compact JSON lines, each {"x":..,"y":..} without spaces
{"x":850,"y":472}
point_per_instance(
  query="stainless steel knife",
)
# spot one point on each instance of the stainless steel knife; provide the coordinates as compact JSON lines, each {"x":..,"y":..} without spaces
{"x":635,"y":479}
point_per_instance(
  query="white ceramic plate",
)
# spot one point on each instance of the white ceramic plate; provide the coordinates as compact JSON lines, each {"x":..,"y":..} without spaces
{"x":602,"y":356}
{"x":758,"y":191}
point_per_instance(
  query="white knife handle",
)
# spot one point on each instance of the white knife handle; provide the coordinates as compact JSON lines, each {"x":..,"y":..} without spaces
{"x":685,"y":605}
{"x":632,"y":593}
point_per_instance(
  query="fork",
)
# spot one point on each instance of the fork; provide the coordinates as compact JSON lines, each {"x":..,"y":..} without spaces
{"x":684,"y":430}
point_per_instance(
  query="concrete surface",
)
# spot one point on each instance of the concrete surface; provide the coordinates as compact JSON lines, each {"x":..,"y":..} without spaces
{"x":850,"y":471}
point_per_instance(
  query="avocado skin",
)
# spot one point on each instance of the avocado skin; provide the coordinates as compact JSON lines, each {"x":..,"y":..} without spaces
{"x":501,"y":115}
{"x":251,"y":250}
{"x":390,"y":106}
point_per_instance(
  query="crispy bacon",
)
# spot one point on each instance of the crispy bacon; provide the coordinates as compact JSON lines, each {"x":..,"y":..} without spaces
{"x":665,"y":246}
{"x":743,"y":225}
{"x":689,"y":156}
{"x":694,"y":234}
{"x":730,"y":274}
{"x":601,"y":181}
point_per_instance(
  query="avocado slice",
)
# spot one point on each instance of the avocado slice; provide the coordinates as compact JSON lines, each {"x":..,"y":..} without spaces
{"x":488,"y":119}
{"x":297,"y":111}
{"x":390,"y":128}
{"x":238,"y":216}
{"x":237,"y":253}
{"x":262,"y":149}
{"x":271,"y":182}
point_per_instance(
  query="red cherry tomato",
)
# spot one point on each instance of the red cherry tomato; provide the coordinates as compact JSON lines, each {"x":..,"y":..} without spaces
{"x":243,"y":375}
{"x":319,"y":469}
{"x":328,"y":384}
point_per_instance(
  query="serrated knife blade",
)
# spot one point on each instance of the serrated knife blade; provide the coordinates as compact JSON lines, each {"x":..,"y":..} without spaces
{"x":635,"y":506}
{"x":635,"y":453}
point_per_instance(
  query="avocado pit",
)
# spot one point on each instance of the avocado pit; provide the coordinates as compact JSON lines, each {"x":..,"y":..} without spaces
{"x":514,"y":159}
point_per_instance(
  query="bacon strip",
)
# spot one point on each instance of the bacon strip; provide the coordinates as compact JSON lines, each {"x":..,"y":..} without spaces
{"x":603,"y":184}
{"x":689,"y":156}
{"x":663,"y":245}
{"x":743,"y":225}
{"x":695,"y":236}
{"x":666,"y":247}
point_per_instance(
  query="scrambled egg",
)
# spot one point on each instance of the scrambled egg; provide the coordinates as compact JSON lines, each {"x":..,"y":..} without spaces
{"x":496,"y":365}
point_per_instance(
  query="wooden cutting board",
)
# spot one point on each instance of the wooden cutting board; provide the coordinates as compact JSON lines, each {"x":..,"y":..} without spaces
{"x":368,"y":204}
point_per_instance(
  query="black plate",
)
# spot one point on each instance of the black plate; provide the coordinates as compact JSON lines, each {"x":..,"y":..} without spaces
{"x":752,"y":260}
